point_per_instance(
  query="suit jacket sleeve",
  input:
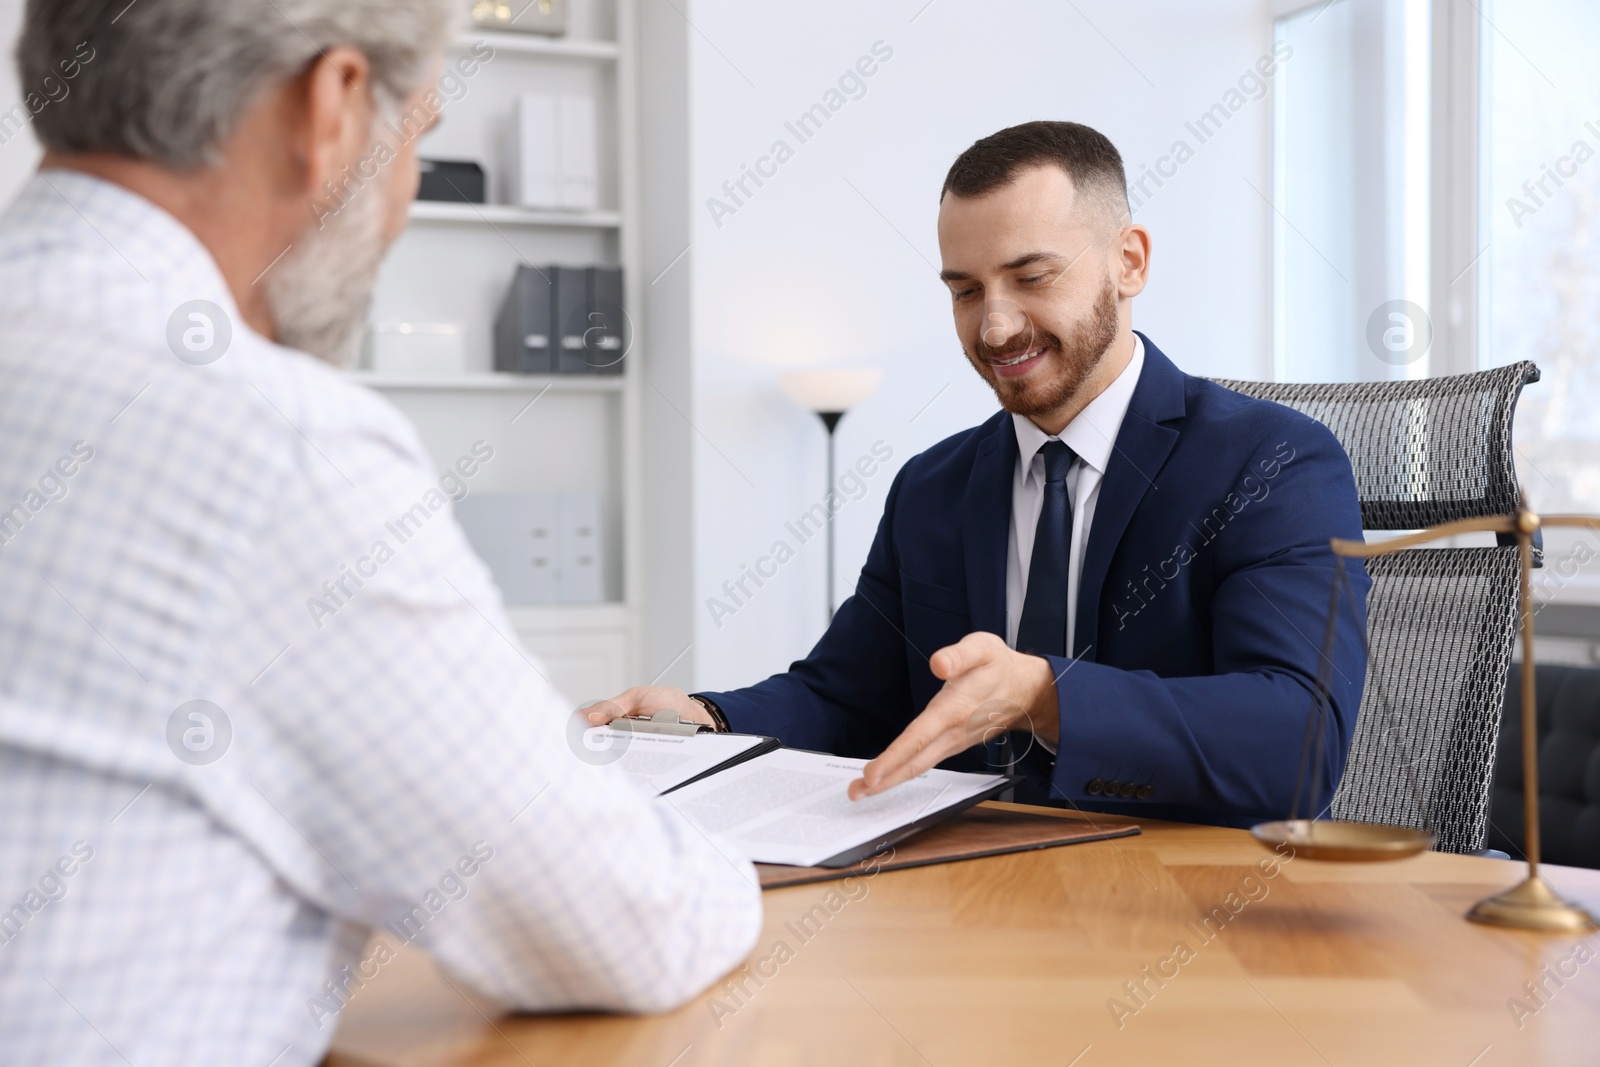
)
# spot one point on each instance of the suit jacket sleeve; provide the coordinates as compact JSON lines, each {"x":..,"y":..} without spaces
{"x":851,"y":694}
{"x":1227,"y":743}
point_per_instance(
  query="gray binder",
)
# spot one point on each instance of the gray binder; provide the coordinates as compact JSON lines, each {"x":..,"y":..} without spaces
{"x":610,"y":333}
{"x":524,"y":338}
{"x":571,"y":303}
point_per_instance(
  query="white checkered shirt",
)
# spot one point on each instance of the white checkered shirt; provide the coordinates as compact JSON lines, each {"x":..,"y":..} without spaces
{"x":167,"y":527}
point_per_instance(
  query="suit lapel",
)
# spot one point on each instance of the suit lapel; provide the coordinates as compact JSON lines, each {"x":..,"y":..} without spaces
{"x":985,"y":524}
{"x":1143,"y":444}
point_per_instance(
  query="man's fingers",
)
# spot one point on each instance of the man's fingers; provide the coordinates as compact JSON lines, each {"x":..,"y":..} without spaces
{"x":604,"y":711}
{"x":948,"y":662}
{"x":878,"y":777}
{"x":923,"y":744}
{"x":973,"y":650}
{"x":630,"y":702}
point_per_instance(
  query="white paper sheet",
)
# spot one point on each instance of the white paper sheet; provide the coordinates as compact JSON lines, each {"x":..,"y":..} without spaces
{"x":793,"y":807}
{"x":661,"y":761}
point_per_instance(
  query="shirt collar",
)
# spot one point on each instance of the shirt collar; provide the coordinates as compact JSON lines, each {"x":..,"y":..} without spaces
{"x":1093,"y":433}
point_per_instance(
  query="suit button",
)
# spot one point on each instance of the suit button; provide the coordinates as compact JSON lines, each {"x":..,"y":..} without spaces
{"x":1096,"y":787}
{"x":1112,"y":787}
{"x":1146,"y":792}
{"x":1129,"y":789}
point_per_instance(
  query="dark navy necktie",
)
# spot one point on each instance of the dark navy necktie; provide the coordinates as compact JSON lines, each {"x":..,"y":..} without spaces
{"x":1043,"y":630}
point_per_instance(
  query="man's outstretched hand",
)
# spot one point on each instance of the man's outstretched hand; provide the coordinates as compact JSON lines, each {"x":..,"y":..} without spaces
{"x":988,"y":689}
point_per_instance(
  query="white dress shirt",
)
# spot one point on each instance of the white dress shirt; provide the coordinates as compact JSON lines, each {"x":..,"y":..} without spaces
{"x":1092,"y":436}
{"x":165,"y":529}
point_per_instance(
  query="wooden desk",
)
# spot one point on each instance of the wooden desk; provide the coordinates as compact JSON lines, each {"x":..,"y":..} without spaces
{"x":1018,"y":960}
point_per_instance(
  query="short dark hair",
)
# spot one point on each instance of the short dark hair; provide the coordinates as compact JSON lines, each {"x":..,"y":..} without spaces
{"x":1087,"y":155}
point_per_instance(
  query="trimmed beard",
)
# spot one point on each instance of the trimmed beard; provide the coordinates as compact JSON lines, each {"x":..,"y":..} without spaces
{"x":1081,"y":354}
{"x":320,"y":293}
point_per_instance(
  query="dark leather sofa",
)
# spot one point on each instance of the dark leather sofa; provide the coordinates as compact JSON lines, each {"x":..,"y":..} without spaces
{"x":1569,"y":767}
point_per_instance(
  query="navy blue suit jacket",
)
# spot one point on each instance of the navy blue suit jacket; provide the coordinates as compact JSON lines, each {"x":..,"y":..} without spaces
{"x":1201,"y":610}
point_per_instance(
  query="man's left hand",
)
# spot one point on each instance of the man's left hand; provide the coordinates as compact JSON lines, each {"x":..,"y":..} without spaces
{"x":988,"y":689}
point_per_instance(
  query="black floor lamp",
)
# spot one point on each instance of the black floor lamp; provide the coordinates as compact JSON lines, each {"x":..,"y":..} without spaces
{"x":830,"y":392}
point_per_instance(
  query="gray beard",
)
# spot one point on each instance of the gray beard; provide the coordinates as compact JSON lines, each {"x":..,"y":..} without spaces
{"x":320,"y":292}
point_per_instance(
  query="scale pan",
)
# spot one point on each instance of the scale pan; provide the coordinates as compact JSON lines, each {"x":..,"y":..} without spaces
{"x":1347,"y":842}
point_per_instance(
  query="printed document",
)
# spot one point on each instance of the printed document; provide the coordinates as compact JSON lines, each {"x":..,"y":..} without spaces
{"x":660,"y":762}
{"x":792,"y":807}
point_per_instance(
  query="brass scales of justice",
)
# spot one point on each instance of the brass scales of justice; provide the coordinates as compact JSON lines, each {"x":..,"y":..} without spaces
{"x":1529,"y":905}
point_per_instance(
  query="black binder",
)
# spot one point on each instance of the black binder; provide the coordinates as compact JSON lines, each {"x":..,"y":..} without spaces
{"x":571,"y":304}
{"x":610,"y":334}
{"x":453,"y":181}
{"x":524,"y":335}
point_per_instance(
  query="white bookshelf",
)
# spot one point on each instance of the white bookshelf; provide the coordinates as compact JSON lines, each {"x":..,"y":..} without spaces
{"x":514,"y":383}
{"x":532,"y":44}
{"x":505,"y":215}
{"x":454,"y":264}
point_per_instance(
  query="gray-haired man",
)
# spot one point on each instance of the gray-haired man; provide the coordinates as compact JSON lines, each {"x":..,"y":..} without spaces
{"x":243,"y":720}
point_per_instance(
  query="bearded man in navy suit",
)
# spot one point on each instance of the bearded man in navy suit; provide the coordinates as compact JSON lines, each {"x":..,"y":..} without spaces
{"x":1117,"y":587}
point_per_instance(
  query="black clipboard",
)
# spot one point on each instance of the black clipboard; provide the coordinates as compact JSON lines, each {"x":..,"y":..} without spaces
{"x":768,"y":744}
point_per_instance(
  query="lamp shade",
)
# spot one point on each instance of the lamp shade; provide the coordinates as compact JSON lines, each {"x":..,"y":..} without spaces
{"x":830,"y":389}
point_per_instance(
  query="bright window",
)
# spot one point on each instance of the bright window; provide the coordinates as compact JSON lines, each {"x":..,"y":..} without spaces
{"x":1405,"y":177}
{"x":1350,"y":192}
{"x":1540,"y":274}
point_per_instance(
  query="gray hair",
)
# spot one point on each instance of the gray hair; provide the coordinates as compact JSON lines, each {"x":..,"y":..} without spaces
{"x":170,"y":79}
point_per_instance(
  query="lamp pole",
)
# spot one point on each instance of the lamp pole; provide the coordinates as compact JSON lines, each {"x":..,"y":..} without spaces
{"x":828,"y":393}
{"x":830,"y":419}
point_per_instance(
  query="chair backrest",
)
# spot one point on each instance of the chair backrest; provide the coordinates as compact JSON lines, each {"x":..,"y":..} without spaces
{"x":1425,"y":451}
{"x":1441,"y":622}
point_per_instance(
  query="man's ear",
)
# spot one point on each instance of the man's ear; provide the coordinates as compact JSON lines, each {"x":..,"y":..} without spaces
{"x":1132,"y":269}
{"x":337,"y":116}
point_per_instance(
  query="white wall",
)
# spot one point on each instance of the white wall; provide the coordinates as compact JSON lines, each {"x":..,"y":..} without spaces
{"x":663,"y":341}
{"x":20,"y":155}
{"x":834,"y":260}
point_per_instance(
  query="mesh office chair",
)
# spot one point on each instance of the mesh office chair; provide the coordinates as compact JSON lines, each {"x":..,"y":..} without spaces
{"x":1440,"y":621}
